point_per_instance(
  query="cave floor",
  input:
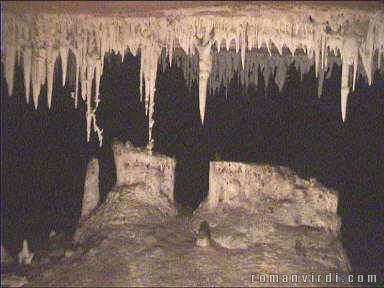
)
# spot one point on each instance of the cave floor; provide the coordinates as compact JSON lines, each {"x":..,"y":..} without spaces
{"x":161,"y":255}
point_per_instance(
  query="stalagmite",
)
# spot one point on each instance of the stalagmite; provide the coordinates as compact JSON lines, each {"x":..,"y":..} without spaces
{"x":91,"y":196}
{"x":25,"y":256}
{"x":253,"y":29}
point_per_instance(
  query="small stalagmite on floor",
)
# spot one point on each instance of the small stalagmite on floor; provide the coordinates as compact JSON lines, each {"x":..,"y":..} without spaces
{"x":25,"y":256}
{"x":203,"y":238}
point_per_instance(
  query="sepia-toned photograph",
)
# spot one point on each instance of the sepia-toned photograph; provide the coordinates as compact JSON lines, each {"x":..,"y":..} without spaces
{"x":192,"y":143}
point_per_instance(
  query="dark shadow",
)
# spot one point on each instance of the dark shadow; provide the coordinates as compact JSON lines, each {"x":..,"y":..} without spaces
{"x":295,"y":128}
{"x":178,"y":133}
{"x":44,"y":152}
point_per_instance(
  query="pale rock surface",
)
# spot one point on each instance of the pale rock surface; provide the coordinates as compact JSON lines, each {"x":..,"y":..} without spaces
{"x":135,"y":238}
{"x":149,"y":175}
{"x":252,"y":205}
{"x":91,"y":196}
{"x":25,"y":256}
{"x":41,"y":33}
{"x":273,"y":191}
{"x":136,"y":166}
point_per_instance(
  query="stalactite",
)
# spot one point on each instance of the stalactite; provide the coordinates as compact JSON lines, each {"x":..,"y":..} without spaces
{"x":64,"y":62}
{"x":320,"y":63}
{"x":349,"y":57}
{"x":83,"y":78}
{"x":41,"y":37}
{"x":38,"y":73}
{"x":50,"y":70}
{"x":10,"y":55}
{"x":344,"y":88}
{"x":98,"y":71}
{"x":88,"y":84}
{"x":150,"y":53}
{"x":205,"y":66}
{"x":243,"y":46}
{"x":27,"y":58}
{"x":170,"y":51}
{"x":77,"y":59}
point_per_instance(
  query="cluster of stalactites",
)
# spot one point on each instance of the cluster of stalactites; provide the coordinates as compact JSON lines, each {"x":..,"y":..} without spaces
{"x":256,"y":64}
{"x":37,"y":40}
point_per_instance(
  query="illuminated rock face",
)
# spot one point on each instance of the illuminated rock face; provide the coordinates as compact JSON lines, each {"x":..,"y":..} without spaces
{"x":251,"y":204}
{"x":352,"y":31}
{"x":137,"y":167}
{"x":266,"y":220}
{"x":273,"y":191}
{"x":91,"y":188}
{"x":144,"y":182}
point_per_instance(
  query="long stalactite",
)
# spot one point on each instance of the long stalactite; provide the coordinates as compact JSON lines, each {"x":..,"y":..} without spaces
{"x":225,"y":39}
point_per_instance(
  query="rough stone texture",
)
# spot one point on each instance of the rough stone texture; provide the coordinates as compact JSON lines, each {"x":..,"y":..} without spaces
{"x":149,"y":175}
{"x":91,"y":196}
{"x":134,"y":166}
{"x":154,"y":171}
{"x":135,"y":238}
{"x":252,"y":205}
{"x":273,"y":191}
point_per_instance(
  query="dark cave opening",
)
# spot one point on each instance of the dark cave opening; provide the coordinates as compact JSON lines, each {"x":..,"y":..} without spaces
{"x":44,"y":152}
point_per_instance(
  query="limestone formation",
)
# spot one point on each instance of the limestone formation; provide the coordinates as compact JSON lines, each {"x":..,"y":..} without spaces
{"x":259,"y":204}
{"x":281,"y":195}
{"x":354,"y":32}
{"x":25,"y":256}
{"x":91,"y":196}
{"x":136,"y":239}
{"x":203,"y":237}
{"x":144,"y":180}
{"x":155,"y":171}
